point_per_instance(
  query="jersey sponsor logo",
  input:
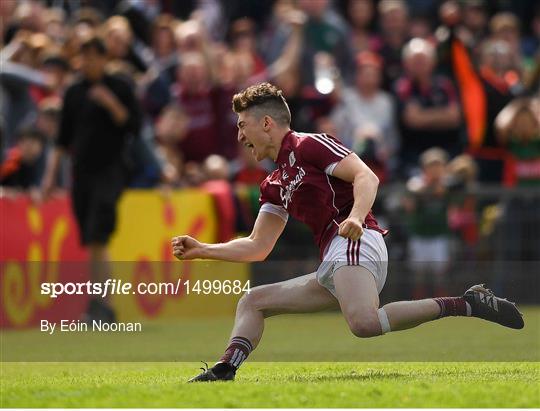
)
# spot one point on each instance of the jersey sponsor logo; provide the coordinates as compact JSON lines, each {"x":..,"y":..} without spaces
{"x":292,"y":158}
{"x":287,"y":192}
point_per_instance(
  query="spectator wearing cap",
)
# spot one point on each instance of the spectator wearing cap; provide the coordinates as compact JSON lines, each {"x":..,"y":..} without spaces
{"x":426,"y":205}
{"x":99,"y":115}
{"x":428,"y":104}
{"x":365,"y":117}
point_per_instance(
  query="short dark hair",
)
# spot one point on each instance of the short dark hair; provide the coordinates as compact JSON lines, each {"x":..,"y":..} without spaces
{"x":94,"y":43}
{"x":267,"y":99}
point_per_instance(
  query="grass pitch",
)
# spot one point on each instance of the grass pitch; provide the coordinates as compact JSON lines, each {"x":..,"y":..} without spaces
{"x":273,"y":385}
{"x":485,"y":366}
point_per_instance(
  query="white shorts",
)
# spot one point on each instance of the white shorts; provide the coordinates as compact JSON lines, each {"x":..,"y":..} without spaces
{"x":368,"y":252}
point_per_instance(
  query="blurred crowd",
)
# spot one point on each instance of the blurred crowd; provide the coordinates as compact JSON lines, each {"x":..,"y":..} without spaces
{"x":437,"y":95}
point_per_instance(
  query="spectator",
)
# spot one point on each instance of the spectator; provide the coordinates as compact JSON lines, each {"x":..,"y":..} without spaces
{"x":393,"y":21}
{"x":504,"y":26}
{"x":48,"y":123}
{"x":120,"y":43}
{"x":20,"y":169}
{"x":463,"y":210}
{"x":429,"y":109}
{"x":365,"y":117}
{"x":55,"y":25}
{"x":164,"y":45}
{"x":498,"y":75}
{"x":361,"y":14}
{"x":195,"y":93}
{"x":474,"y":27}
{"x":324,"y":31}
{"x":20,"y":71}
{"x":244,"y":44}
{"x":99,"y":114}
{"x":426,"y":206}
{"x":518,"y":127}
{"x":158,"y":80}
{"x":170,"y":129}
{"x":420,"y":27}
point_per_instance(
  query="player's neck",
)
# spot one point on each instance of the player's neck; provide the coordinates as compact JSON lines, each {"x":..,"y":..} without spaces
{"x":277,"y":137}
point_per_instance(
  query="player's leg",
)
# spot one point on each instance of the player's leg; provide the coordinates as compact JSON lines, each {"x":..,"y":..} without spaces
{"x":357,"y":287}
{"x":356,"y":291}
{"x":357,"y":294}
{"x":477,"y":301}
{"x":298,"y":295}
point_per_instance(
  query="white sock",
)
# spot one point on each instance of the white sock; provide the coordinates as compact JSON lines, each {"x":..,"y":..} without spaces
{"x":383,"y":320}
{"x":469,"y":309}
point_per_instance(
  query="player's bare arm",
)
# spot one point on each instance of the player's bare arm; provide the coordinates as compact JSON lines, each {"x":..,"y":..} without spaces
{"x":365,"y":183}
{"x":352,"y":271}
{"x":256,"y":247}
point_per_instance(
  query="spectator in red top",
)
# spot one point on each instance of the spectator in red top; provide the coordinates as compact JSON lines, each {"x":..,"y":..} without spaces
{"x":429,"y":110}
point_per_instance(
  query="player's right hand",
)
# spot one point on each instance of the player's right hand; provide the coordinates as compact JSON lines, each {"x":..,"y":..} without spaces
{"x":186,"y":247}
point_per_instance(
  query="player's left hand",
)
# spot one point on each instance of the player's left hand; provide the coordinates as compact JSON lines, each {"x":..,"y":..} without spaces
{"x":351,"y":228}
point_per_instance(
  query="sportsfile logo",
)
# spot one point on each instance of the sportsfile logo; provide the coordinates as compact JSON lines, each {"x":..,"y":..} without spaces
{"x":119,"y":287}
{"x":109,"y":287}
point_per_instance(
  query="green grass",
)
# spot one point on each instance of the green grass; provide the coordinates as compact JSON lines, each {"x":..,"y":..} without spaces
{"x":313,"y":337}
{"x":273,"y":385}
{"x":485,"y":365}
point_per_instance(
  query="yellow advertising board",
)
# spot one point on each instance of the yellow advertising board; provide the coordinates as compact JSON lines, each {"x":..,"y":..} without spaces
{"x":141,"y":251}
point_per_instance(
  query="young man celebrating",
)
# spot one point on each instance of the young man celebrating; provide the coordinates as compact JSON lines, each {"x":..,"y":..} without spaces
{"x":323,"y":184}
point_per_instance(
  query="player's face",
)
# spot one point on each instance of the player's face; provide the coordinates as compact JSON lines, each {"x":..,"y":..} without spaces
{"x":252,"y":135}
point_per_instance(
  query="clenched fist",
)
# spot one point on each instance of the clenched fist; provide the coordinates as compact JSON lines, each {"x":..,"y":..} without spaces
{"x":351,"y":228}
{"x":187,"y":248}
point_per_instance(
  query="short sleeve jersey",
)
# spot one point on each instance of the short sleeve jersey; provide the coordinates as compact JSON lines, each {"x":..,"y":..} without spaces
{"x":303,"y":186}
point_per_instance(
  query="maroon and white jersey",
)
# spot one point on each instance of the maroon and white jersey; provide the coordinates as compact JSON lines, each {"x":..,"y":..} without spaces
{"x":303,"y":186}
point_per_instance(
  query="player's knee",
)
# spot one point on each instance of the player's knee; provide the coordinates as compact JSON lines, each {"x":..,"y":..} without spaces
{"x":251,"y":300}
{"x":365,"y":326}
